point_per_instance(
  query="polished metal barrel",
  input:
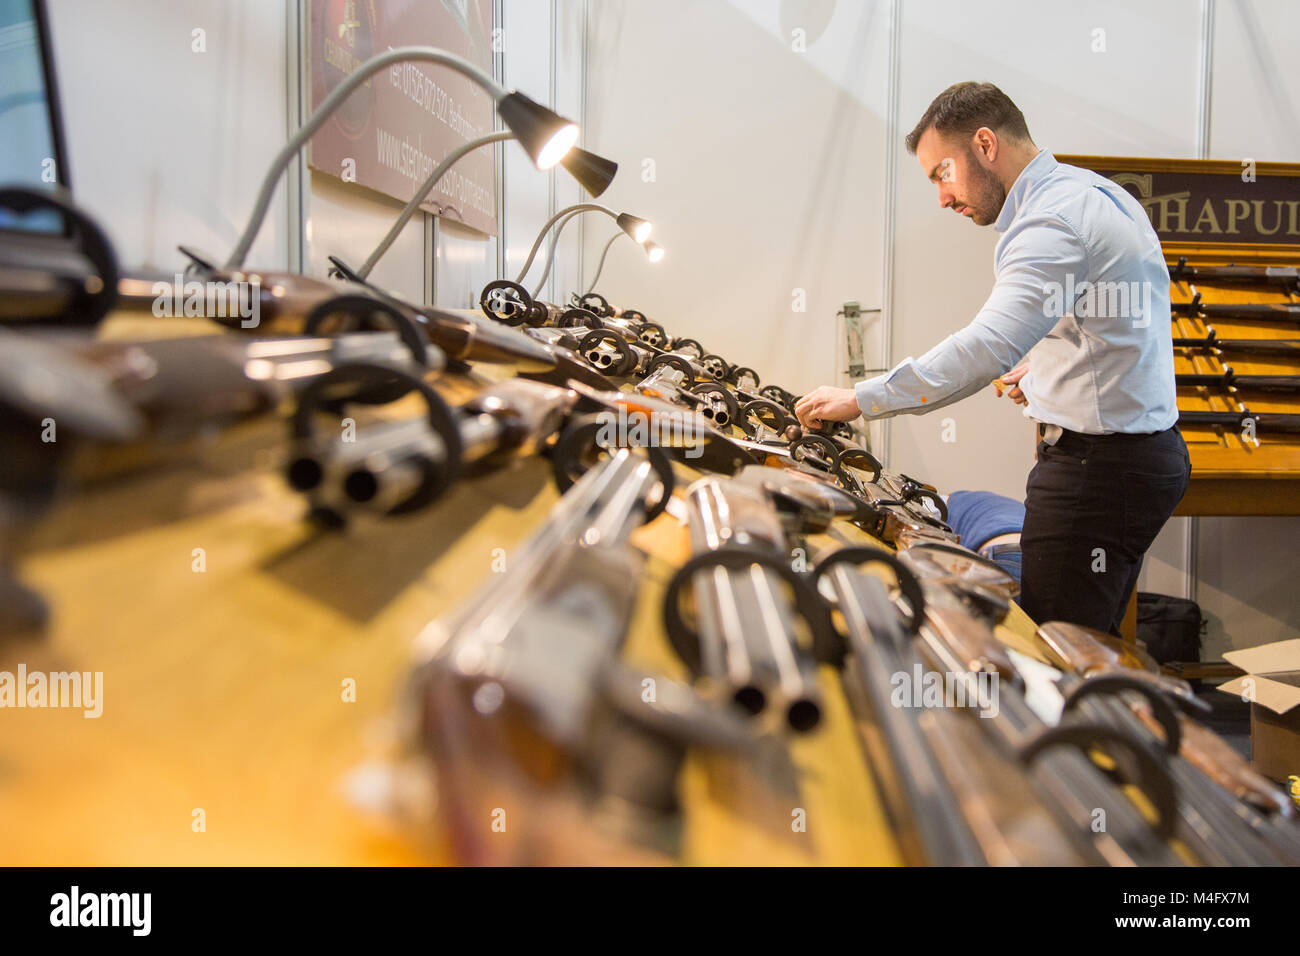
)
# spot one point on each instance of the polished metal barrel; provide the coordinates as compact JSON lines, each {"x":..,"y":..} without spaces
{"x":748,"y":641}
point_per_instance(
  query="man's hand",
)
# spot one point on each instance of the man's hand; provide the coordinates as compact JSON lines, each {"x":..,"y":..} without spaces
{"x":1010,"y":379}
{"x":827,"y":404}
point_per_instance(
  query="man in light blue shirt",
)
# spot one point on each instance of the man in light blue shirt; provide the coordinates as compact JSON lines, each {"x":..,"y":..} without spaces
{"x":1081,"y":280}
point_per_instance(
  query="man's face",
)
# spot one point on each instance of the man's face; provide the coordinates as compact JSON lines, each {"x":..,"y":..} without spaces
{"x":966,"y":183}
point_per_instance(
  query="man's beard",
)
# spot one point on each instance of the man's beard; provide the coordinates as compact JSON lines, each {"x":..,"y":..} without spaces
{"x":986,"y":205}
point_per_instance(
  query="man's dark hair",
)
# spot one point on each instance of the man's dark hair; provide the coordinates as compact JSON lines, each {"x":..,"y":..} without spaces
{"x":965,"y":107}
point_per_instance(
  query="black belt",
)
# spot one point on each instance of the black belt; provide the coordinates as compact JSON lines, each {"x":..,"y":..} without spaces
{"x":1004,"y":548}
{"x":1076,"y":439}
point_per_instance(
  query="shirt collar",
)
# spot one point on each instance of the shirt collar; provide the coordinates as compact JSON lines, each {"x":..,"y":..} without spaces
{"x":1035,"y":171}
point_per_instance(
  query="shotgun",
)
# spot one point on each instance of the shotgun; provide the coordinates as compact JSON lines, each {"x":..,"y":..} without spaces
{"x":879,"y":512}
{"x":290,"y":304}
{"x":396,"y":467}
{"x":1247,"y":311}
{"x":635,"y":418}
{"x":125,"y":399}
{"x":519,"y":698}
{"x":711,"y":399}
{"x":510,"y":303}
{"x":955,"y":798}
{"x":1282,"y":423}
{"x":594,"y":314}
{"x":1212,"y":342}
{"x":1088,"y":653}
{"x":956,"y":638}
{"x":609,"y":351}
{"x":1213,"y":819}
{"x":181,"y":385}
{"x":744,"y":638}
{"x":1228,"y":378}
{"x":1283,"y":277}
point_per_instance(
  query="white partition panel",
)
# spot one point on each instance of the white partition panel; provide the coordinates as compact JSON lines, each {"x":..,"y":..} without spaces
{"x":757,"y":152}
{"x":172,"y":112}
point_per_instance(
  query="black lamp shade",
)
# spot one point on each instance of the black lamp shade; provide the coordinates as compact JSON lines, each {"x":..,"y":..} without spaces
{"x":534,"y":125}
{"x":638,"y":229}
{"x":594,"y":173}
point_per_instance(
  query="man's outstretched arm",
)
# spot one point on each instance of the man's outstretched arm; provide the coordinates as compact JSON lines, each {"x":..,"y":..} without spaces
{"x":1036,"y":258}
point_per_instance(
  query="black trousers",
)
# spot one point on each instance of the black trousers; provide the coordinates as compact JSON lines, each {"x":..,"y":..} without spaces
{"x":1093,"y":505}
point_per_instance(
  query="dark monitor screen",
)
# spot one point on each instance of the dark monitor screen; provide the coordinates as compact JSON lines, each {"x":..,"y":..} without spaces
{"x":30,"y":141}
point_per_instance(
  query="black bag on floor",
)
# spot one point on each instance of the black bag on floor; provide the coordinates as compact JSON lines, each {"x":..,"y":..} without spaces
{"x":1169,"y":626}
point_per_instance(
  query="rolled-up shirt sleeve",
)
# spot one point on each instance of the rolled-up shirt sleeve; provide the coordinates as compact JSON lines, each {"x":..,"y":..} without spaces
{"x":1035,"y":257}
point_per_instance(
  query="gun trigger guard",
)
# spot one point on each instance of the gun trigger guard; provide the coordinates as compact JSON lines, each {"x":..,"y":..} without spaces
{"x":740,"y":371}
{"x":363,"y":308}
{"x":593,"y":339}
{"x":761,"y":405}
{"x":907,"y":582}
{"x":850,"y":455}
{"x":1153,"y":776}
{"x":674,"y":362}
{"x":931,"y":496}
{"x":597,"y":303}
{"x":91,"y":240}
{"x":580,"y":317}
{"x":826,"y":644}
{"x":520,"y":302}
{"x":1113,"y":684}
{"x":812,"y":440}
{"x":442,"y":420}
{"x":580,"y":436}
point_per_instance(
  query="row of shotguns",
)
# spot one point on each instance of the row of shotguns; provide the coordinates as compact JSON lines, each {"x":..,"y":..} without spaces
{"x":1282,"y":281}
{"x":523,"y":696}
{"x":525,"y":699}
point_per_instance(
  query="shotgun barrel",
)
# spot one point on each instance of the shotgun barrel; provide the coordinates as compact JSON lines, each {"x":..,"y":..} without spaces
{"x":1248,"y":311}
{"x":1283,"y":277}
{"x":1281,"y":422}
{"x":963,"y":800}
{"x":746,"y":625}
{"x":1212,"y":342}
{"x":287,"y":303}
{"x":388,"y":465}
{"x":1066,"y":778}
{"x":519,"y":696}
{"x":1088,"y":654}
{"x":1228,"y":378}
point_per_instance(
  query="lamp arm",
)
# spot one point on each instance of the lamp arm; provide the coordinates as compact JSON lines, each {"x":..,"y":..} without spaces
{"x":332,"y":103}
{"x":550,"y":252}
{"x":566,"y":211}
{"x":422,"y":193}
{"x":601,"y":265}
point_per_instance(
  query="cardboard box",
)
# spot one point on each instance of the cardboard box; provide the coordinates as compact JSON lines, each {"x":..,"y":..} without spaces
{"x":1272,"y":684}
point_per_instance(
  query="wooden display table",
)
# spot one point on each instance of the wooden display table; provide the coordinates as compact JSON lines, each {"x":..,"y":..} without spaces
{"x":223,"y":689}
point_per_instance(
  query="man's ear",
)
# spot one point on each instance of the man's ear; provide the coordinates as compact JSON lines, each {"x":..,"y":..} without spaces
{"x":984,"y":143}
